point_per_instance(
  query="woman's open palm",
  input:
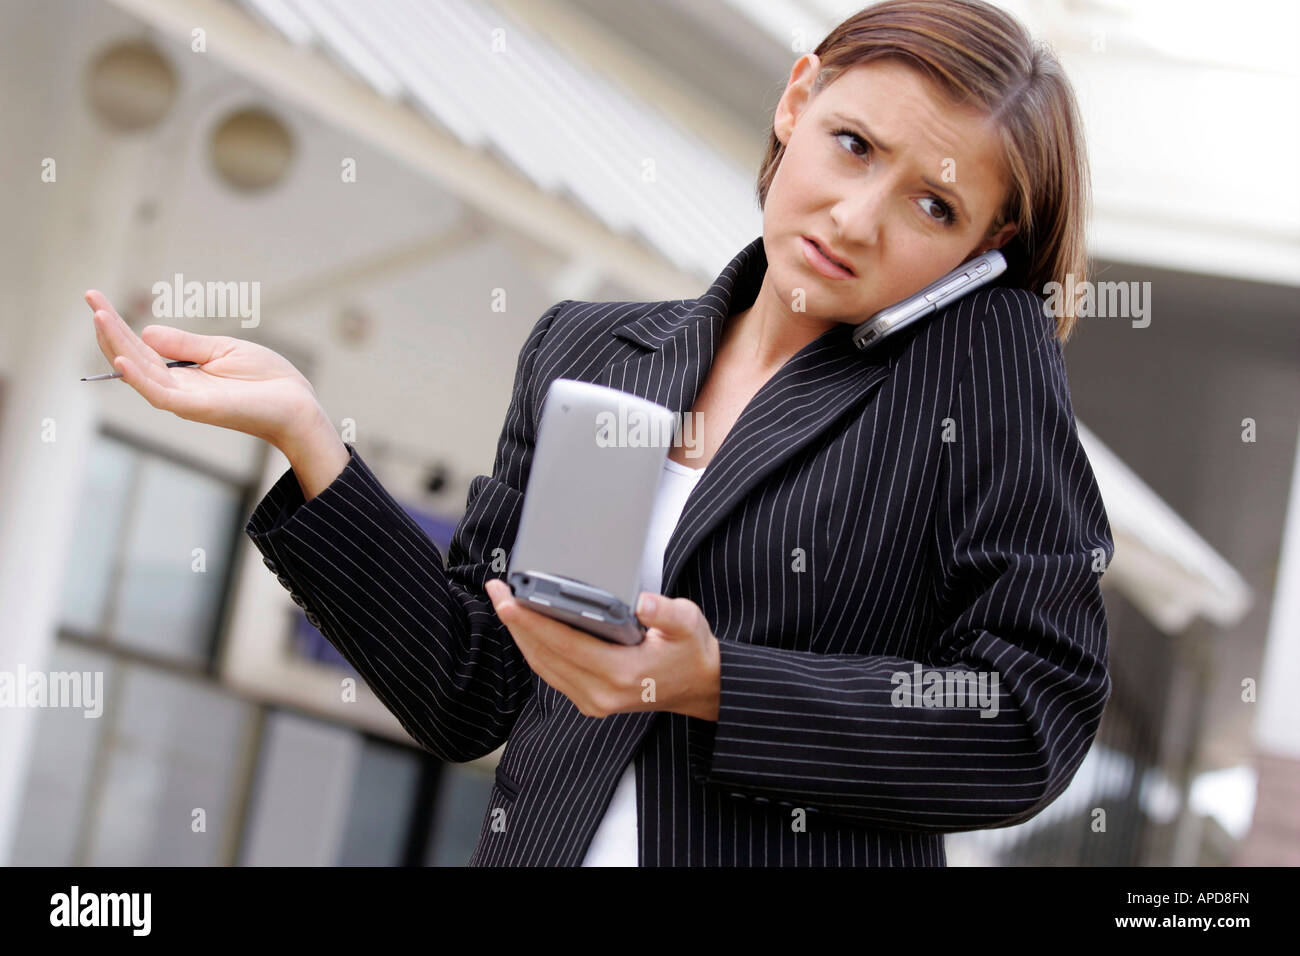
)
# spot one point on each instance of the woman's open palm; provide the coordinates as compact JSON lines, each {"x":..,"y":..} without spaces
{"x":237,"y":384}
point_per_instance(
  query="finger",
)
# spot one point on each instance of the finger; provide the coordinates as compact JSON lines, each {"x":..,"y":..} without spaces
{"x":556,"y":642}
{"x":543,"y":662}
{"x":558,"y":661}
{"x":156,"y":394}
{"x":116,"y":339}
{"x":161,"y":395}
{"x":584,"y":653}
{"x":183,"y":345}
{"x":120,"y":335}
{"x":561,"y":673}
{"x":588,"y":653}
{"x":548,"y":665}
{"x":114,"y":347}
{"x":100,"y":322}
{"x":557,"y":668}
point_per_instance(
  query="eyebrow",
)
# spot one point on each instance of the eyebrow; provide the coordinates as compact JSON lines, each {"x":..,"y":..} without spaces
{"x":854,"y":121}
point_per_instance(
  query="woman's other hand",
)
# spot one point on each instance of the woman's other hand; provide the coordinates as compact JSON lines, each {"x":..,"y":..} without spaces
{"x":237,"y":384}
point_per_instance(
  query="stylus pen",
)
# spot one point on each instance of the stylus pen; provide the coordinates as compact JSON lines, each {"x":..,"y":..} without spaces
{"x":97,"y":378}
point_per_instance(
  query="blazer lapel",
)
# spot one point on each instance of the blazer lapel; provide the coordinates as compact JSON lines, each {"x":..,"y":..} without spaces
{"x":816,"y":386}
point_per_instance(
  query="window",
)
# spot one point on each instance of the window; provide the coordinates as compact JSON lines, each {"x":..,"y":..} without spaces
{"x":154,"y":544}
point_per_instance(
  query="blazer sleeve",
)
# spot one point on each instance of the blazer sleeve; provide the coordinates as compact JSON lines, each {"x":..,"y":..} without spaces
{"x":1020,"y":541}
{"x":425,"y":638}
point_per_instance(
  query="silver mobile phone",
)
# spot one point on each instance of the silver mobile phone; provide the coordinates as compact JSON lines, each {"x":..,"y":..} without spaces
{"x":966,"y":278}
{"x":590,"y":609}
{"x":586,"y":513}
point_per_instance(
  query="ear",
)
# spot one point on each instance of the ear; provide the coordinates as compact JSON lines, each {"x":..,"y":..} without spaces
{"x":798,"y":93}
{"x":995,"y":240}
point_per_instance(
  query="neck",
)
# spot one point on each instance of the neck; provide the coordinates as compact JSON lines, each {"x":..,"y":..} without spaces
{"x":768,"y":334}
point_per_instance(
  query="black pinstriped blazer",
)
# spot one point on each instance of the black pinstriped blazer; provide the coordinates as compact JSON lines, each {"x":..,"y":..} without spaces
{"x":927,"y":503}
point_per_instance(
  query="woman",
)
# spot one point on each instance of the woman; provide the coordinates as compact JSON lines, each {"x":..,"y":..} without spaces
{"x":877,"y":615}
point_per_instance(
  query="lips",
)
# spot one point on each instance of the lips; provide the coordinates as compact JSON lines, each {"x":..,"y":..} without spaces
{"x":826,"y":251}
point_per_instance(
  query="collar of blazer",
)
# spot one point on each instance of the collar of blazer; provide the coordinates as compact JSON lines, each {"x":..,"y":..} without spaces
{"x":812,"y":390}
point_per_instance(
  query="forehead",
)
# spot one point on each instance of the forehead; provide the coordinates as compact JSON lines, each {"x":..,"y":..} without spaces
{"x":911,"y":114}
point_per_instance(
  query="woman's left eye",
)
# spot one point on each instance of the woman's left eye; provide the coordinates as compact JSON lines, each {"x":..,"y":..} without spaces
{"x":947,"y":216}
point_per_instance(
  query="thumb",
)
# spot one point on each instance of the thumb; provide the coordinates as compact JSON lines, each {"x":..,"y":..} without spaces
{"x":182,"y":345}
{"x":679,"y":617}
{"x":660,"y":612}
{"x":647,"y":606}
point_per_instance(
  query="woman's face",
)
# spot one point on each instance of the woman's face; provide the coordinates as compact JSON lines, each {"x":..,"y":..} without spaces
{"x":854,"y":178}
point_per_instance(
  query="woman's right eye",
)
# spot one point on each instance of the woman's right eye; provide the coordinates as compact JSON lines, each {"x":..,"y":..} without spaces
{"x":866,"y":147}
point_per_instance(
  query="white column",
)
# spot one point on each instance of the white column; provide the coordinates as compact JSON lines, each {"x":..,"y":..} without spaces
{"x":1274,"y":837}
{"x":1277,"y":725}
{"x":84,"y":220}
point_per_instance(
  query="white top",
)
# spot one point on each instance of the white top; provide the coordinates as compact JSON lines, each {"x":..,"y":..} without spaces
{"x":615,"y":843}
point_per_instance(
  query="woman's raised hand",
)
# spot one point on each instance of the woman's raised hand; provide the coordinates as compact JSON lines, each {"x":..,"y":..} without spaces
{"x":236,"y":385}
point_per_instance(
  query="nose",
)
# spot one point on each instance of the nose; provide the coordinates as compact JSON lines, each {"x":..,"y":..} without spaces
{"x":859,"y":215}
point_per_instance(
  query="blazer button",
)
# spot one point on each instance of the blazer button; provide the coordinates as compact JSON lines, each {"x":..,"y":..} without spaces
{"x":762,"y":800}
{"x":740,"y":795}
{"x":285,"y":582}
{"x":271,"y":564}
{"x":298,"y":600}
{"x":313,"y":620}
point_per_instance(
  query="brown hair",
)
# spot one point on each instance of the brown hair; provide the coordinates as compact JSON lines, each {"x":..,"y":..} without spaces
{"x":984,"y":58}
